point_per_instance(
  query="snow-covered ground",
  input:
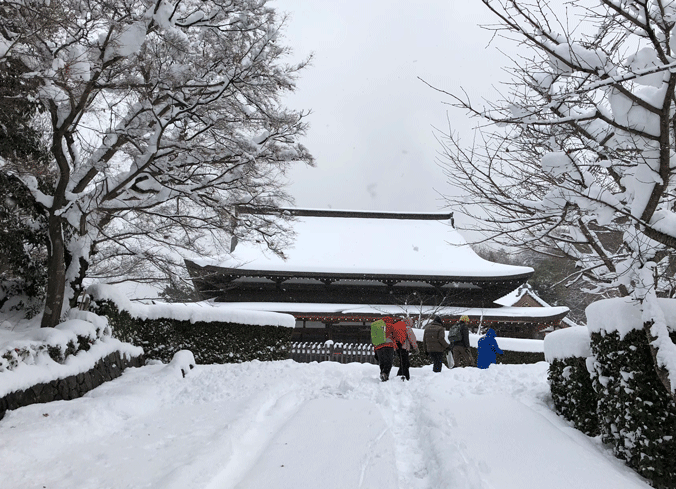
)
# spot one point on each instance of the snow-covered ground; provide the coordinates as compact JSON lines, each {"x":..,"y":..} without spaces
{"x":273,"y":425}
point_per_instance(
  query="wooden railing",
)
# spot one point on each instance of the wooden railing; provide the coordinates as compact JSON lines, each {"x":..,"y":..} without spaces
{"x":305,"y":352}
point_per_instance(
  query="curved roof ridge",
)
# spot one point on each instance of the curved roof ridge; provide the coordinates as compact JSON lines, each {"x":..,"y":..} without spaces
{"x":306,"y":212}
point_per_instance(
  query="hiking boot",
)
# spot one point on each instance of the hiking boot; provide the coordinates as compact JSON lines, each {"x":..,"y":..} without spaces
{"x":384,"y":376}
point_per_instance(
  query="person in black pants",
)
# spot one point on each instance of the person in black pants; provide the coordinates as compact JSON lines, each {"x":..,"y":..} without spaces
{"x":405,"y":347}
{"x":385,"y":351}
{"x":434,"y":340}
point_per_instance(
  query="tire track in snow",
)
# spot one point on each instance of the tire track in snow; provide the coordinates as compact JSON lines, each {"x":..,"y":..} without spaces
{"x":246,"y":441}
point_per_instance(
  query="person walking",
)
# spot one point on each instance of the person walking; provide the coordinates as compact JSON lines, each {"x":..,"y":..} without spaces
{"x":404,"y":349}
{"x":434,"y":340}
{"x":385,"y":351}
{"x":487,"y":348}
{"x":462,"y":356}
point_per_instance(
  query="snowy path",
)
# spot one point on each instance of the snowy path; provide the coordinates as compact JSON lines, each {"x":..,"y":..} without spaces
{"x":280,"y":425}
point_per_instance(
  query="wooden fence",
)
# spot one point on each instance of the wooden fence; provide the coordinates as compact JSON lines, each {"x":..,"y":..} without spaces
{"x":305,"y":352}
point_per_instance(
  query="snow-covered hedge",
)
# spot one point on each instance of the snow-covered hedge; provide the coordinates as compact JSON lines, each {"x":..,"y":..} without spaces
{"x":637,"y":416}
{"x":213,"y":334}
{"x":46,"y":354}
{"x":574,"y":398}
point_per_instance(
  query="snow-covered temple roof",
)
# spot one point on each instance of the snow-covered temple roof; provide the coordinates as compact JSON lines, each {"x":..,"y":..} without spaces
{"x":350,"y":242}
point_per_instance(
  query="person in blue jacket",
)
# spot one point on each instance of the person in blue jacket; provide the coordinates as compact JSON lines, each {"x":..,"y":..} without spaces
{"x":487,"y":349}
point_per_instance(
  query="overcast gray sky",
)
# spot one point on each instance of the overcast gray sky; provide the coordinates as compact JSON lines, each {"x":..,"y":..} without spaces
{"x":371,"y":123}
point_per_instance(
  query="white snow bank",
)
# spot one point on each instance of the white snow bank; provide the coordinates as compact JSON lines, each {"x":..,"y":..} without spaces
{"x":623,"y":314}
{"x":193,"y":312}
{"x":566,"y":343}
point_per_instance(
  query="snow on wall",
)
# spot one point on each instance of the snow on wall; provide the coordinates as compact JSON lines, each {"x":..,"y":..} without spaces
{"x":566,"y":343}
{"x":35,"y":366}
{"x":509,"y":344}
{"x":193,"y":312}
{"x":45,"y":370}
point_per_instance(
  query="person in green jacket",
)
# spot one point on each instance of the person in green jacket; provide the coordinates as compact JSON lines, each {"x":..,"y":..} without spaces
{"x":434,"y":341}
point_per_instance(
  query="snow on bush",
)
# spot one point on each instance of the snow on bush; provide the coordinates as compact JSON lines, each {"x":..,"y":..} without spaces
{"x":183,"y":361}
{"x":567,"y":343}
{"x":637,"y":416}
{"x":214,"y":334}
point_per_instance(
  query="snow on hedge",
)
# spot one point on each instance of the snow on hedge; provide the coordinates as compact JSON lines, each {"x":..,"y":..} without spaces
{"x":622,"y":314}
{"x":566,"y":343}
{"x":194,"y":312}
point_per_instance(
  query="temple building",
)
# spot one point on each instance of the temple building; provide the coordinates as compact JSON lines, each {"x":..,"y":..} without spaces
{"x":346,"y":269}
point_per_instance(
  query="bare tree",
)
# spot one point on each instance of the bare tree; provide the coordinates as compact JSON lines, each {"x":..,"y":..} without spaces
{"x":162,"y":116}
{"x":578,"y":155}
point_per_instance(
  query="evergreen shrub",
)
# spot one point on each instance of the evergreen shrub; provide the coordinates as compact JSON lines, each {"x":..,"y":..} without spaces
{"x":210,"y":342}
{"x":515,"y":357}
{"x":573,"y":395}
{"x":637,"y":416}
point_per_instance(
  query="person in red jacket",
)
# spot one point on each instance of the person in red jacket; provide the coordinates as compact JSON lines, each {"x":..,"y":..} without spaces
{"x":403,"y":330}
{"x":385,"y":351}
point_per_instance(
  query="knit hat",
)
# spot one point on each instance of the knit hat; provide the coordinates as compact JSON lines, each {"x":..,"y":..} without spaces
{"x":464,"y":318}
{"x":437,"y":319}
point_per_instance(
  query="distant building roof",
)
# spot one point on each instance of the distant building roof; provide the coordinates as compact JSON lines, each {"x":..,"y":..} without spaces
{"x":373,"y":243}
{"x":524,"y":296}
{"x":519,"y":295}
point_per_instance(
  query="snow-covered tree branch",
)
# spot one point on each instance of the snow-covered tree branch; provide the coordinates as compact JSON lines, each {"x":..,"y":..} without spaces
{"x":579,"y":155}
{"x":163,"y":116}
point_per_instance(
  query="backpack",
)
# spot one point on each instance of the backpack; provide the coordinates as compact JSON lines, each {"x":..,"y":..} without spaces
{"x":378,"y":332}
{"x":454,"y":334}
{"x":399,"y":332}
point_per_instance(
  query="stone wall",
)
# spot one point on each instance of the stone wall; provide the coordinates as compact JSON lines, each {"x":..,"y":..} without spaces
{"x":108,"y":368}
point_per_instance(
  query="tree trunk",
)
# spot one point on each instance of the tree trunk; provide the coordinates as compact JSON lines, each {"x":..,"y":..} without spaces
{"x":661,"y":372}
{"x":56,"y":273}
{"x":56,"y":258}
